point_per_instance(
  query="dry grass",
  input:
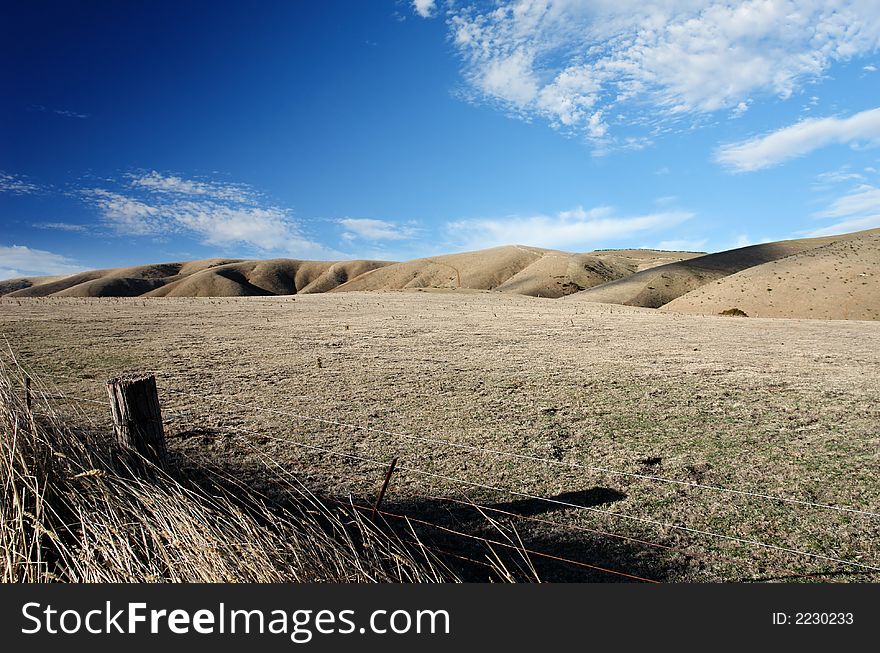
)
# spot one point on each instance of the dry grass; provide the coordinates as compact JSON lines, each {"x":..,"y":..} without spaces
{"x":779,"y":407}
{"x":74,"y":510}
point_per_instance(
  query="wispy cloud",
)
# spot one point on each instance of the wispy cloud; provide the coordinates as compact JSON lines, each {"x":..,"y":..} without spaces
{"x":61,"y":226}
{"x":862,"y":199}
{"x":127,"y":215}
{"x":800,"y":139}
{"x":17,"y":185}
{"x":71,"y":114}
{"x":227,"y":215}
{"x":847,"y":226}
{"x":577,"y":229}
{"x":176,"y":185}
{"x":839,"y":176}
{"x":374,"y":230}
{"x":857,"y":209}
{"x":66,"y":113}
{"x":596,"y":67}
{"x":21,"y":261}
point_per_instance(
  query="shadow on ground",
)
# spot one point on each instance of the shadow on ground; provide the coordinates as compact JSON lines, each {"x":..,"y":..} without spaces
{"x":532,"y":539}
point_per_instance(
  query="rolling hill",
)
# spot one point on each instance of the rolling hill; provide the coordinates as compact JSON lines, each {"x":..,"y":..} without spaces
{"x":516,"y":269}
{"x":839,"y":280}
{"x":658,"y":286}
{"x":832,"y":277}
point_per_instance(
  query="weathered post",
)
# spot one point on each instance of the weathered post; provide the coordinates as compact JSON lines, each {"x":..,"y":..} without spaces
{"x":384,"y":487}
{"x":29,"y":404}
{"x":137,"y":416}
{"x":28,"y":395}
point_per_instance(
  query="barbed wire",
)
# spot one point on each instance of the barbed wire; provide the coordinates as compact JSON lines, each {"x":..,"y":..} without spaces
{"x":568,"y":504}
{"x":487,"y":541}
{"x":532,"y":458}
{"x":646,"y":520}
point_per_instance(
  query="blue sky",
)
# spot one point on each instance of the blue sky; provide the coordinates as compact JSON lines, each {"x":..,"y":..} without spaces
{"x":141,"y":132}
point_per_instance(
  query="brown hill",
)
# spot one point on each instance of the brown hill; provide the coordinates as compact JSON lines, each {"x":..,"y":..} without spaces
{"x":513,"y":268}
{"x":207,"y":278}
{"x":272,"y":277}
{"x":837,"y":281}
{"x":660,"y":285}
{"x":516,"y":269}
{"x":115,"y":282}
{"x":20,"y":283}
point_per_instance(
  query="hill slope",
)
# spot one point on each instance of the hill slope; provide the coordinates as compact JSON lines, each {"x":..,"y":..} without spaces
{"x":658,"y":286}
{"x":837,"y":281}
{"x":207,"y":278}
{"x":513,"y":268}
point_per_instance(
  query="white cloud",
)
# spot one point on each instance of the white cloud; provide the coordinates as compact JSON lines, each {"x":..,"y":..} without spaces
{"x":227,"y":215}
{"x":841,"y":175}
{"x":16,"y":185}
{"x":862,"y":199}
{"x":623,"y":63}
{"x":20,"y":261}
{"x":61,"y":226}
{"x":127,"y":215}
{"x":162,"y":183}
{"x":370,"y":229}
{"x":740,"y":109}
{"x":71,"y":114}
{"x":857,"y":209}
{"x":870,"y":68}
{"x":424,"y":8}
{"x":60,"y":112}
{"x":577,"y":229}
{"x":847,"y":226}
{"x":800,"y":139}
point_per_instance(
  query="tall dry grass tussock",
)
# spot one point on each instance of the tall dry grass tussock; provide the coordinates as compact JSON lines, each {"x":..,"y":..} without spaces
{"x":75,"y":511}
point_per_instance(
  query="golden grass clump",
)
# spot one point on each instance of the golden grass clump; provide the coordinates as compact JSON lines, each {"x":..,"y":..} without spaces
{"x":75,"y":511}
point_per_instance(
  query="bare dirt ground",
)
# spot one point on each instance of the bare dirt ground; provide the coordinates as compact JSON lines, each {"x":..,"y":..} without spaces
{"x":788,"y":408}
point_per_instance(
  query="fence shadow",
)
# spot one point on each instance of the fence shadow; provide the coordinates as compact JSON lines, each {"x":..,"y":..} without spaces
{"x":549,"y":550}
{"x":533,"y":539}
{"x":595,"y":496}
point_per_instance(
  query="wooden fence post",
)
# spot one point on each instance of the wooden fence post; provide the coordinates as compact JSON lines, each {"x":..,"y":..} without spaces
{"x":29,"y":404}
{"x":137,"y":416}
{"x":384,"y":487}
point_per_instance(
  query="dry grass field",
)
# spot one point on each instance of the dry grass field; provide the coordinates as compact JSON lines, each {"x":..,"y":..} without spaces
{"x":508,"y":400}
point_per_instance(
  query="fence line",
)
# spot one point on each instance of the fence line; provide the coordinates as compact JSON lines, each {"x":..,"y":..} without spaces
{"x":445,"y":528}
{"x":529,"y":457}
{"x":67,"y":397}
{"x":511,"y":514}
{"x":550,"y":522}
{"x":377,"y":463}
{"x":450,"y":530}
{"x":515,"y":547}
{"x":229,"y":479}
{"x":532,"y":458}
{"x":593,"y":509}
{"x":646,"y":520}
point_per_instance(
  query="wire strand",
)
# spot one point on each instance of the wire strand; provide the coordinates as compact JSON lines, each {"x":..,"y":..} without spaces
{"x":532,"y":458}
{"x":646,"y":520}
